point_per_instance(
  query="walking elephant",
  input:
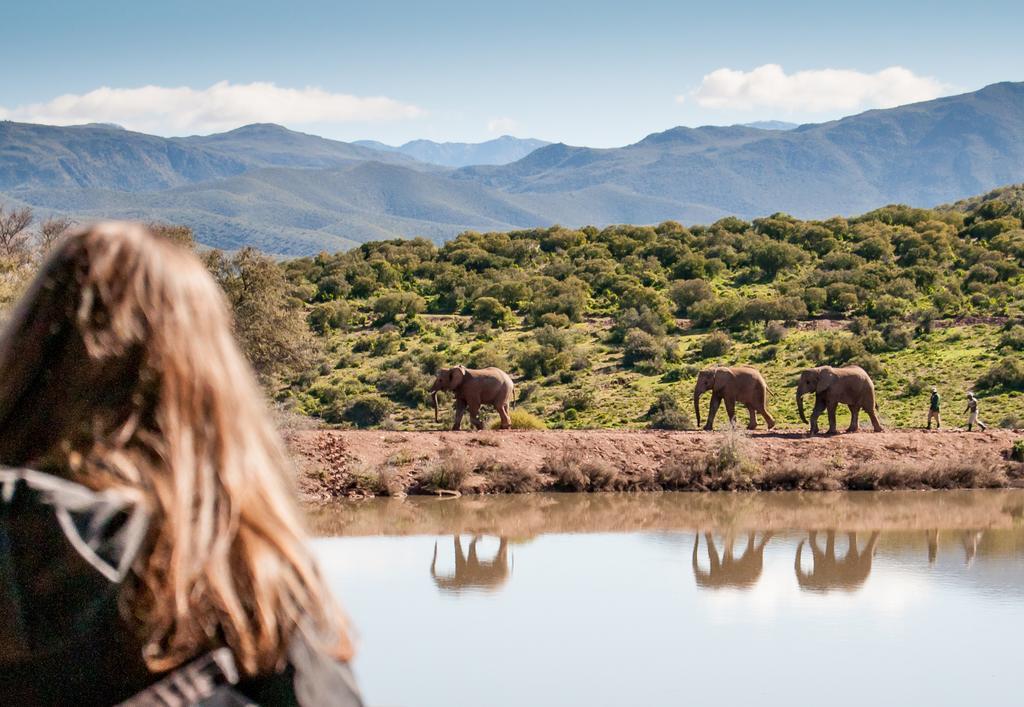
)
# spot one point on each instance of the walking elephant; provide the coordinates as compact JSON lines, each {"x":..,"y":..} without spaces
{"x":727,"y":570}
{"x":473,"y":388}
{"x":851,"y":386}
{"x":733,"y":384}
{"x":470,"y":571}
{"x":830,"y":572}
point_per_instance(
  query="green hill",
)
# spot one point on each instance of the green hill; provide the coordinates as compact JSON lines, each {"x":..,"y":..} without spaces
{"x":596,"y":324}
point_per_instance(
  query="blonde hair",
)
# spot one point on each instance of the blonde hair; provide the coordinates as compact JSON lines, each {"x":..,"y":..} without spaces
{"x":118,"y":368}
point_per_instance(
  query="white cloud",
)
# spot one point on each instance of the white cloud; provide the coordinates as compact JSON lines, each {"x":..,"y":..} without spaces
{"x":814,"y":91}
{"x":503,"y":126}
{"x":181,"y":110}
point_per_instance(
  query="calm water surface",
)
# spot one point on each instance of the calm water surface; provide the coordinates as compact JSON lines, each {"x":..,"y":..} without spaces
{"x":671,"y":599}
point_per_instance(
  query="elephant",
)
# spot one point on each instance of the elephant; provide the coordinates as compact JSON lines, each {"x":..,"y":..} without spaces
{"x":851,"y":386}
{"x":470,"y":572}
{"x":830,"y":572}
{"x":728,"y":570}
{"x":733,"y":384}
{"x":473,"y":388}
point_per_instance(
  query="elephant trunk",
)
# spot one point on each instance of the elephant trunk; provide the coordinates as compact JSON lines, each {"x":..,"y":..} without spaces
{"x":433,"y":395}
{"x":696,"y":405}
{"x":800,"y":406}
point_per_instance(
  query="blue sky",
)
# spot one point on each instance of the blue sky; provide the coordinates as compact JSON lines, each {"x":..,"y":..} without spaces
{"x":594,"y":73}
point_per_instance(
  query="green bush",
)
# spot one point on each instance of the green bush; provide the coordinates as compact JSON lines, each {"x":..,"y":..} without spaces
{"x":716,"y":344}
{"x":775,"y":332}
{"x":665,"y":414}
{"x":1013,"y":338}
{"x":325,"y":316}
{"x":489,"y":310}
{"x":522,"y":420}
{"x":408,"y":384}
{"x":643,"y":351}
{"x":395,"y":305}
{"x":578,"y":399}
{"x":1007,"y":373}
{"x":685,"y":293}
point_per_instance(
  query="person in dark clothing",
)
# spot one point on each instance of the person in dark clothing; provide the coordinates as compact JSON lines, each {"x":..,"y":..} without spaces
{"x":150,"y":548}
{"x":933,"y":409}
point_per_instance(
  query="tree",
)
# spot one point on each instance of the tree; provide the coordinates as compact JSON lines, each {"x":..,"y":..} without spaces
{"x":489,"y":310}
{"x":686,"y":293}
{"x":269,"y":324}
{"x":396,"y":304}
{"x":51,"y":230}
{"x":14,"y":225}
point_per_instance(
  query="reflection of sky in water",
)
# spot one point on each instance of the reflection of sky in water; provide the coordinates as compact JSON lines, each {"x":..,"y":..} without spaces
{"x":617,"y":619}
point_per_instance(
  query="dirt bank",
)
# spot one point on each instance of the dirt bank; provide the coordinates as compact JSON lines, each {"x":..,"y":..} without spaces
{"x":360,"y":463}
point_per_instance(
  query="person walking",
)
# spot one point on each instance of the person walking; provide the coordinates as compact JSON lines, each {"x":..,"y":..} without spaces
{"x":933,"y":409}
{"x":972,"y":409}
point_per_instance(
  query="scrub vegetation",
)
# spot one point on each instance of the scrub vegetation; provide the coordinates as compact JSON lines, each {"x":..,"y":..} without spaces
{"x":607,"y":328}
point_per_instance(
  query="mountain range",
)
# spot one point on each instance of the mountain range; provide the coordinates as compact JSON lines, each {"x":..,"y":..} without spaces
{"x":499,"y":151}
{"x":291,"y":193}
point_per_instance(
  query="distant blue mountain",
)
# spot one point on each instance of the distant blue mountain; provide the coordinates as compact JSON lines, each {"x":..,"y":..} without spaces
{"x":292,"y":193}
{"x":499,"y":151}
{"x":771,"y":125}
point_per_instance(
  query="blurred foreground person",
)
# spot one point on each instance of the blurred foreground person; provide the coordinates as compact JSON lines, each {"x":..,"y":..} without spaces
{"x":150,"y":547}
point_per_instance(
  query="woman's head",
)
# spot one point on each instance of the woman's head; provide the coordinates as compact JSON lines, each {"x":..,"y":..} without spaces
{"x":119,"y":367}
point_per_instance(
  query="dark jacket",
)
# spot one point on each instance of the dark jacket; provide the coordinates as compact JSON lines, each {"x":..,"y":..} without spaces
{"x":64,"y":552}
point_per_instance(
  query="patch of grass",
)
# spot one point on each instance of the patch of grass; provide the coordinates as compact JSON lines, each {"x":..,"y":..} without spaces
{"x":522,"y":420}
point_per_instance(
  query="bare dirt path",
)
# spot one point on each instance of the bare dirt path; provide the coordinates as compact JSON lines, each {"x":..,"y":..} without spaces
{"x":339,"y":463}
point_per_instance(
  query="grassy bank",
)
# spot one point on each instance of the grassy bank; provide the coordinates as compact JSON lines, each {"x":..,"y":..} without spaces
{"x":598,"y":392}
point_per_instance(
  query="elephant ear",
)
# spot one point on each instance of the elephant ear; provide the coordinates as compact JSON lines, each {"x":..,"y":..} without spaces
{"x":458,"y":374}
{"x":720,"y":378}
{"x":826,"y":377}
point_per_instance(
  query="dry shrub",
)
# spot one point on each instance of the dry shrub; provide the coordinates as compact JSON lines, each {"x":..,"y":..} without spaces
{"x":509,"y":477}
{"x":796,"y":477}
{"x":574,"y":473}
{"x":448,"y":473}
{"x":729,"y":467}
{"x":942,"y":475}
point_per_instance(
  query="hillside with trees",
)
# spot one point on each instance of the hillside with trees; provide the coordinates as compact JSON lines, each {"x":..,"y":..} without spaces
{"x":608,"y":327}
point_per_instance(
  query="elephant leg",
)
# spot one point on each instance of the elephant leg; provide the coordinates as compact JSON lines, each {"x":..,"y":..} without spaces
{"x":712,"y":411}
{"x":460,"y":410}
{"x":506,"y":419}
{"x":832,"y":418}
{"x":854,"y":419}
{"x":769,"y":420}
{"x":874,"y":417}
{"x":474,"y":416}
{"x":730,"y":408}
{"x":753,"y":417}
{"x":819,"y":407}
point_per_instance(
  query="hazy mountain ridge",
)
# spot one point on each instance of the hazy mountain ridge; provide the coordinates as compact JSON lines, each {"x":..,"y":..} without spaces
{"x":293,"y":193}
{"x":502,"y":150}
{"x":110,"y":157}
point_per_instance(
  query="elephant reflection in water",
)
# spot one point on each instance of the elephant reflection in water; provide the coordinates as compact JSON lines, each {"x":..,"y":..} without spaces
{"x":968,"y":538}
{"x":727,"y":570}
{"x":470,"y":571}
{"x":830,"y":572}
